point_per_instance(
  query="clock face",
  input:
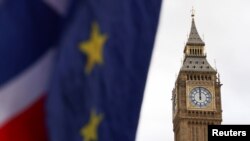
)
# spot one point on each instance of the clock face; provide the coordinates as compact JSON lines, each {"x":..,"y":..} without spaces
{"x":200,"y":97}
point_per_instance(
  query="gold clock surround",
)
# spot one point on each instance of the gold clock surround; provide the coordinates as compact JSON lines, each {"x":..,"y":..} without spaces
{"x":210,"y":107}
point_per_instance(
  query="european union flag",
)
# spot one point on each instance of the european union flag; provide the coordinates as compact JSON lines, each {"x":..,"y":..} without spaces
{"x":97,"y":88}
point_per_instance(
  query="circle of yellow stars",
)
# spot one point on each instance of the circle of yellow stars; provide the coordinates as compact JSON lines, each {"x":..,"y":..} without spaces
{"x":93,"y":48}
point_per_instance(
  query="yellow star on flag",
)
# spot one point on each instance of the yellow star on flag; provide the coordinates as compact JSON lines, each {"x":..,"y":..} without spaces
{"x":93,"y":48}
{"x":89,"y":131}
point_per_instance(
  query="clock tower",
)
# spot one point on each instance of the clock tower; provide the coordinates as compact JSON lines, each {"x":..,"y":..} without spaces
{"x":196,"y":96}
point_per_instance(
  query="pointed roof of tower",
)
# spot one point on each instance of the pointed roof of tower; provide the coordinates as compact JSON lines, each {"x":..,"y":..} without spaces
{"x":195,"y":60}
{"x":194,"y":37}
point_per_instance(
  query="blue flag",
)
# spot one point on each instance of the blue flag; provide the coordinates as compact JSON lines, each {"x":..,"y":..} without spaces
{"x":97,"y":87}
{"x":27,"y":29}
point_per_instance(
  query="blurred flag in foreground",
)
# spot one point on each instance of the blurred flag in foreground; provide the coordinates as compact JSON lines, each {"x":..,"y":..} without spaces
{"x":97,"y":87}
{"x":28,"y":28}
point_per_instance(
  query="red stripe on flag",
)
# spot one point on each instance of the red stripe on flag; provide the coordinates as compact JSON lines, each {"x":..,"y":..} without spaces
{"x":27,"y":126}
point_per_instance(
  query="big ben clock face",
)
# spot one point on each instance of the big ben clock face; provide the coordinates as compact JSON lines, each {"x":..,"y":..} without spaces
{"x":200,"y":97}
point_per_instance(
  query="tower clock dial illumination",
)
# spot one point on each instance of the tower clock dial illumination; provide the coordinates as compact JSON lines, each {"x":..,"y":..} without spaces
{"x":200,"y":97}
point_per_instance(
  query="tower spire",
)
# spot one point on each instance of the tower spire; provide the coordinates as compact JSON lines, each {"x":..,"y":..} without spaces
{"x":194,"y":37}
{"x":192,"y":12}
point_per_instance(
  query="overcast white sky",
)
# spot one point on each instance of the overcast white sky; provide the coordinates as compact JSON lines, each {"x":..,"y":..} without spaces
{"x":225,"y":28}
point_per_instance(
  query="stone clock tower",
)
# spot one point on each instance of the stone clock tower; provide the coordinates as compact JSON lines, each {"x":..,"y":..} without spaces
{"x":196,"y":96}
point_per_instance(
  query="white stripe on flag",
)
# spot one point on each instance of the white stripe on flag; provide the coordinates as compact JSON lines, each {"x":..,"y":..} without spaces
{"x":60,"y":6}
{"x":22,"y":91}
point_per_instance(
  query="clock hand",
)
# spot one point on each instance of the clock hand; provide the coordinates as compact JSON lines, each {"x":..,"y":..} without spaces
{"x":200,"y":93}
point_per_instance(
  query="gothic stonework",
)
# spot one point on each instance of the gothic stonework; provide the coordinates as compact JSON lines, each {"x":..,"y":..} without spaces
{"x":196,"y":96}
